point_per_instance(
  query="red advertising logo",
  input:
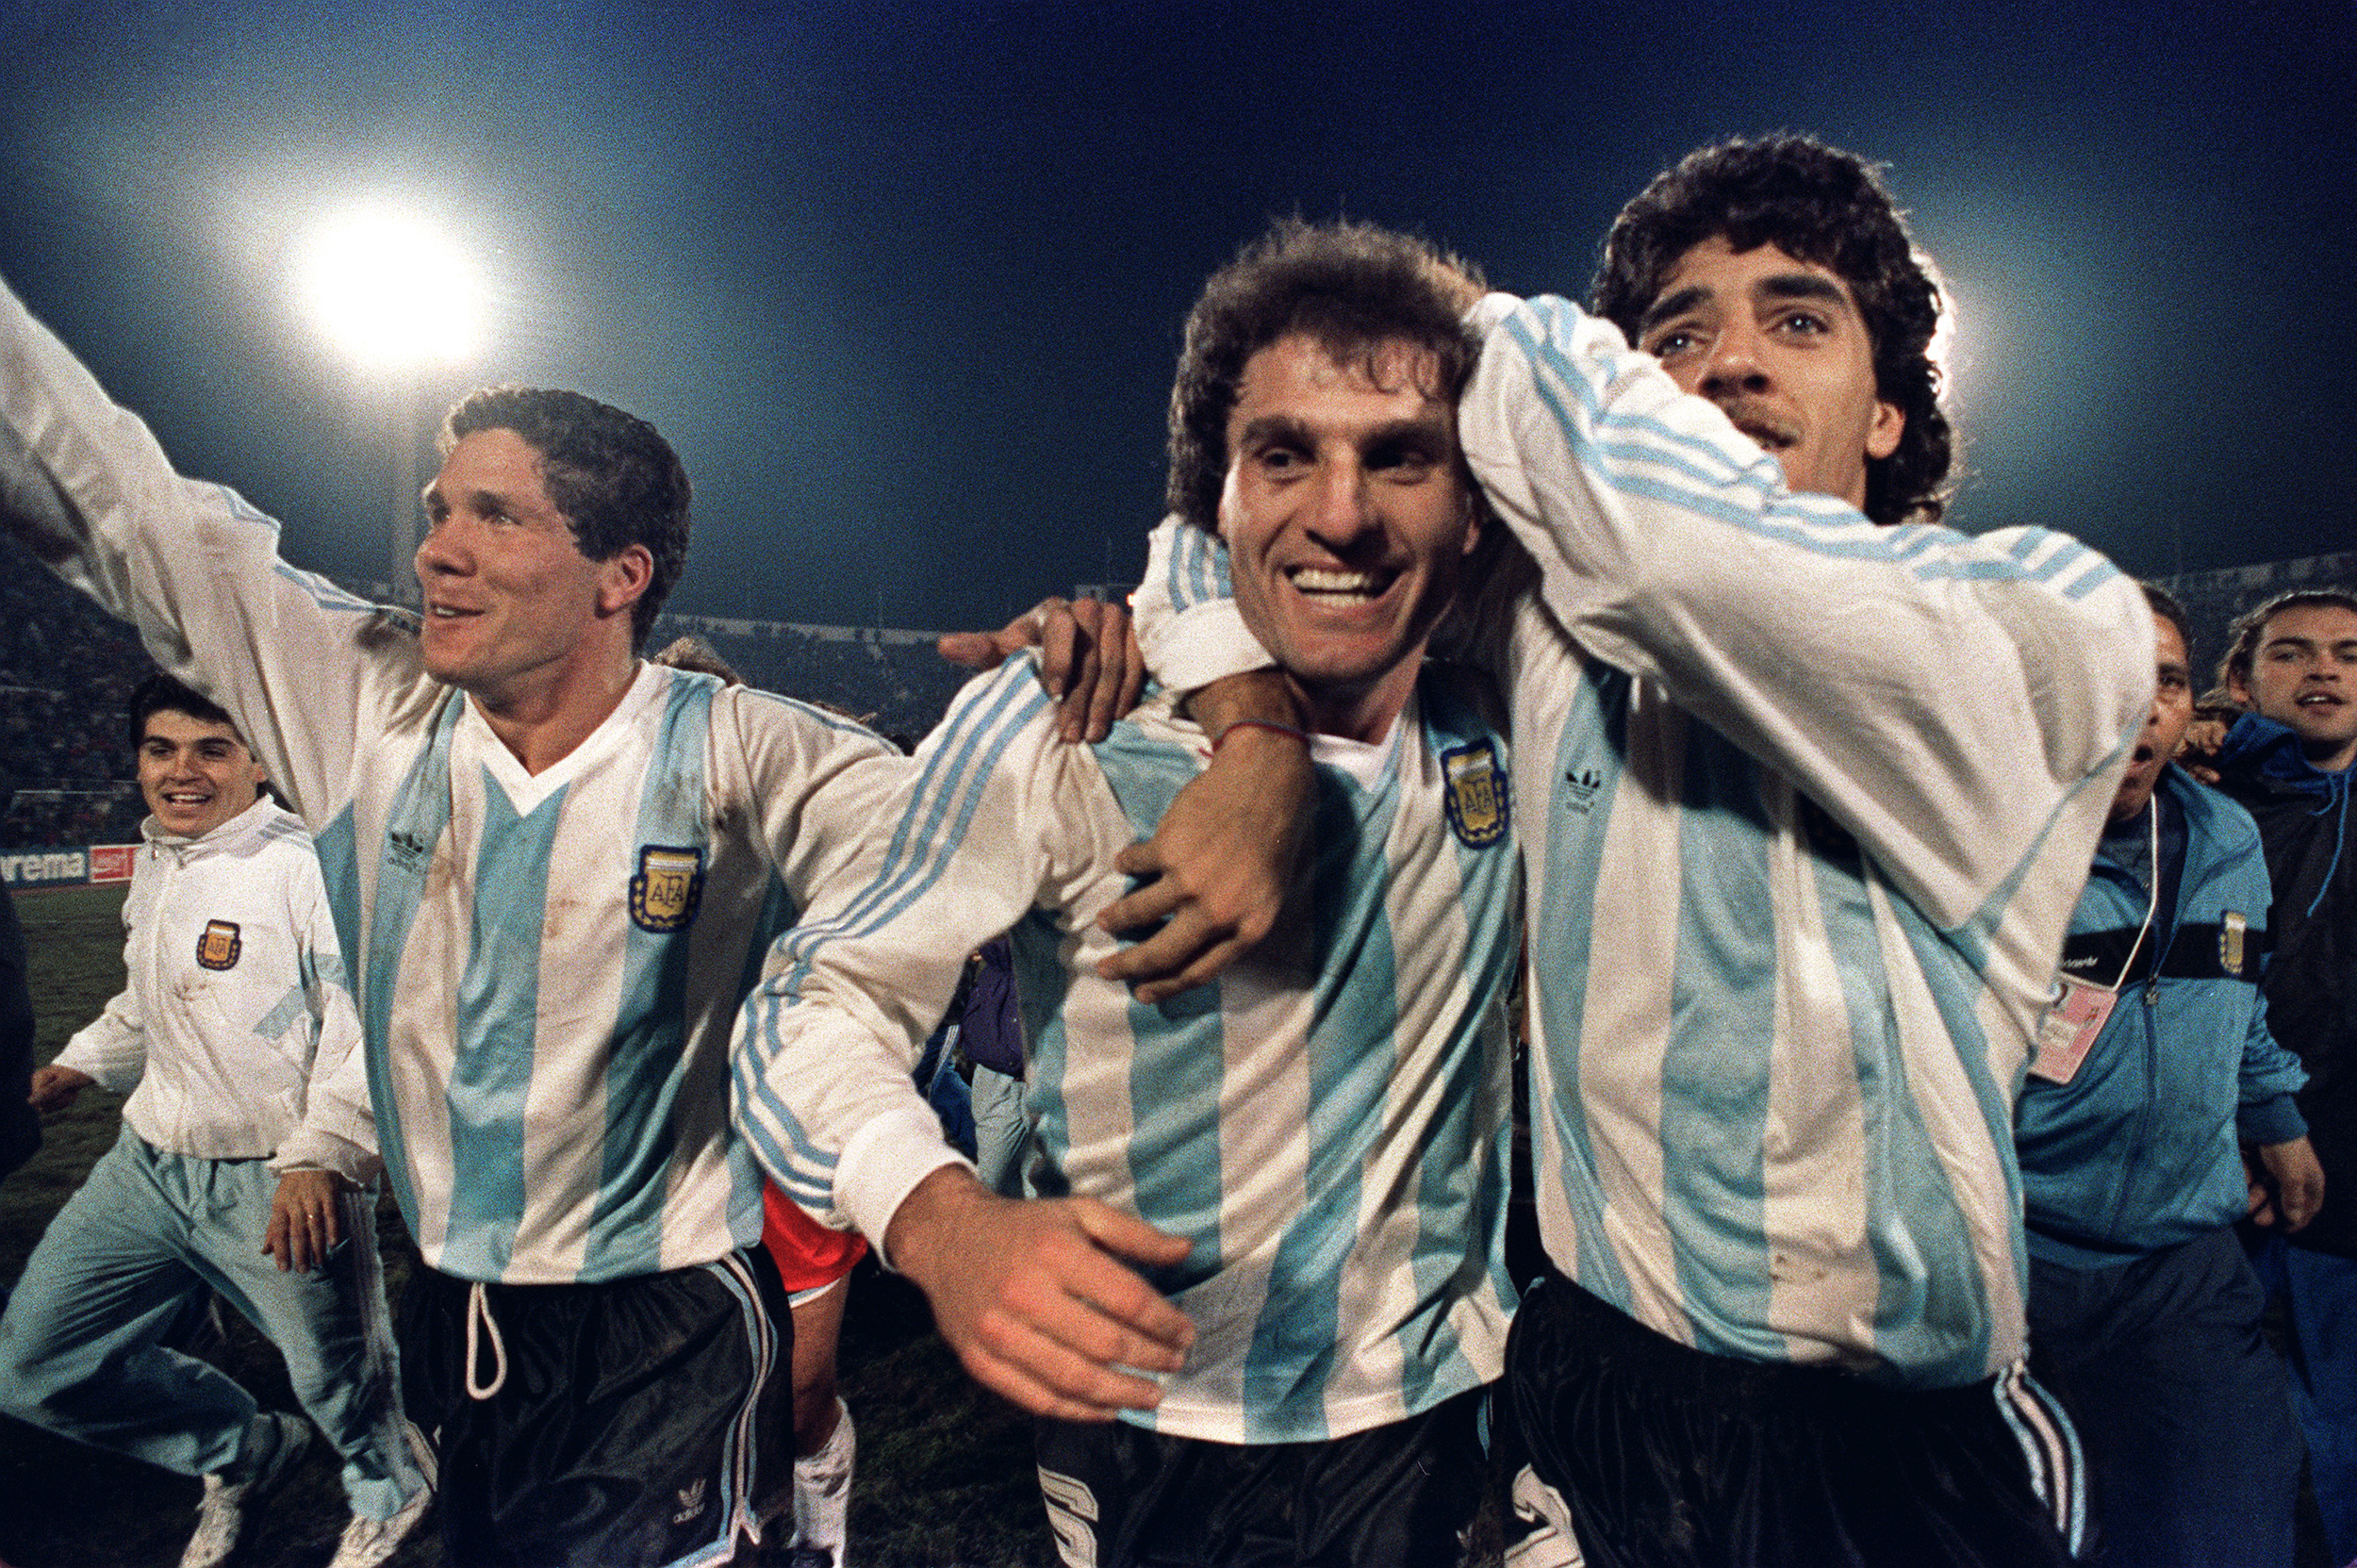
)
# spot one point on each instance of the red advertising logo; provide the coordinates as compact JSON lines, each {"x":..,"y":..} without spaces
{"x":112,"y":862}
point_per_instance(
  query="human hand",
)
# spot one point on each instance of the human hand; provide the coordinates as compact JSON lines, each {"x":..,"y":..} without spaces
{"x":1034,"y":1296}
{"x":2196,"y":752}
{"x":1225,"y":852}
{"x":2291,"y":1186}
{"x":1090,"y":661}
{"x":306,"y":1222}
{"x":1218,"y":867}
{"x":54,"y":1087}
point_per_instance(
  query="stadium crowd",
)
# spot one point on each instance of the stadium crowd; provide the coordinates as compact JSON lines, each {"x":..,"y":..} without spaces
{"x":1934,"y":1025}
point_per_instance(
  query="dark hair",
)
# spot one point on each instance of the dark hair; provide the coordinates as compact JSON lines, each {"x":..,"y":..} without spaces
{"x":160,"y":693}
{"x":2164,"y":604}
{"x":612,"y":474}
{"x":2243,"y":636}
{"x":1351,"y":287}
{"x":1819,"y":205}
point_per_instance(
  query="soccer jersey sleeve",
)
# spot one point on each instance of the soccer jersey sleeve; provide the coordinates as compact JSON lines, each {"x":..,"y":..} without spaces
{"x":303,"y":667}
{"x":813,"y":783}
{"x":976,"y":835}
{"x":1940,"y":695}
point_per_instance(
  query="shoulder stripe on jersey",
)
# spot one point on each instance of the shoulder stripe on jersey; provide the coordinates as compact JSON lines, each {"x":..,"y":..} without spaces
{"x":288,"y":831}
{"x":324,"y":594}
{"x":948,"y":792}
{"x":1198,"y":570}
{"x":835,"y":721}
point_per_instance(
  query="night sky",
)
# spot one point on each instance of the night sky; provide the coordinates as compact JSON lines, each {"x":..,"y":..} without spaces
{"x":903,"y":282}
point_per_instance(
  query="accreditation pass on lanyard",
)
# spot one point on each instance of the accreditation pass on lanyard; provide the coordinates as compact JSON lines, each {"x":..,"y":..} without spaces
{"x":2081,"y":1008}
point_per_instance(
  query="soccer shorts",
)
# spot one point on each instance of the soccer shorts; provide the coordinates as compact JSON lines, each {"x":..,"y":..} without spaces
{"x":1120,"y":1496}
{"x":807,"y":1253}
{"x":618,"y":1425}
{"x":1672,"y":1457}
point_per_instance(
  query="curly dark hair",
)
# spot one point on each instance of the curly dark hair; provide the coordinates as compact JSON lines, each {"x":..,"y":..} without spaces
{"x":612,"y":474}
{"x":2244,"y":636}
{"x":1819,"y":205}
{"x":1351,"y":287}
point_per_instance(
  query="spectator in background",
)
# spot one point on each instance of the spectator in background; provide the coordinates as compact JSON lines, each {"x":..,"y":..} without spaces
{"x":2144,"y":1313}
{"x":235,"y":1012}
{"x":991,"y":1039}
{"x":2291,"y":666}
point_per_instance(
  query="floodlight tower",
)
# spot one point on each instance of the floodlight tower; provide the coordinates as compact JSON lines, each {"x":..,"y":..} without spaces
{"x":398,"y":297}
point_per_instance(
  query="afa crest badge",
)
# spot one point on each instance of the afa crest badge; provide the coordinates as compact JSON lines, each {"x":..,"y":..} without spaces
{"x":217,"y":948}
{"x":670,"y":885}
{"x":1476,"y":797}
{"x":2233,"y":941}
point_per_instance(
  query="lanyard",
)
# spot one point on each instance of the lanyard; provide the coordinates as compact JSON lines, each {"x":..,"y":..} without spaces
{"x":2151,"y":905}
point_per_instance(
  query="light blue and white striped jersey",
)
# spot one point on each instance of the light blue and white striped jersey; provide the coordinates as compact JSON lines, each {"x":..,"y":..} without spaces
{"x":1804,"y":807}
{"x":1328,"y":1135}
{"x":547,"y":966}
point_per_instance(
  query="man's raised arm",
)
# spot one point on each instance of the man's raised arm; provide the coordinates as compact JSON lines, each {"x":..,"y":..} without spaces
{"x":1942,"y":697}
{"x":84,"y":484}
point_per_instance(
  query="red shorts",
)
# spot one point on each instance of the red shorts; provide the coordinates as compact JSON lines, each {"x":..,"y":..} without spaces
{"x":807,"y":1253}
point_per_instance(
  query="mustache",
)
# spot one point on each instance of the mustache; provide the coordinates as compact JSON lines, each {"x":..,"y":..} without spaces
{"x":1759,"y":422}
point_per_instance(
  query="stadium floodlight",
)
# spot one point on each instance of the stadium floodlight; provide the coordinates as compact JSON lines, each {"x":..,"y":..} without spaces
{"x":390,"y":289}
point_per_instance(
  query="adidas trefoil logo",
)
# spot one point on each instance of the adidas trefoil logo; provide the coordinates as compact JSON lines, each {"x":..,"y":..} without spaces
{"x":691,"y":1503}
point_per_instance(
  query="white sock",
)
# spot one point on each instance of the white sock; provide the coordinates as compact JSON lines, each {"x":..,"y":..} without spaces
{"x":822,"y":1490}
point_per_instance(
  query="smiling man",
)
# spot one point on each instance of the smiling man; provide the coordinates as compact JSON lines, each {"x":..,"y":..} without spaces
{"x":2289,"y":760}
{"x":235,"y":1012}
{"x":1265,"y":1221}
{"x":1803,"y":805}
{"x":551,"y":860}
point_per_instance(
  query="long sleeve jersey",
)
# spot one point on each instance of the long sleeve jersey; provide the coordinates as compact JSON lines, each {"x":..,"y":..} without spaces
{"x":235,"y":1002}
{"x":1804,"y":805}
{"x":1328,"y":1133}
{"x":547,"y":966}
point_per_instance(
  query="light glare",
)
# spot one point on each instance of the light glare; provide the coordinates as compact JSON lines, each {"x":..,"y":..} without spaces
{"x":390,"y":290}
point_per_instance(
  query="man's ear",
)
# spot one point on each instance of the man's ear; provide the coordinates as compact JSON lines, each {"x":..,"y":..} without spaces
{"x":1882,"y":436}
{"x":623,"y":578}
